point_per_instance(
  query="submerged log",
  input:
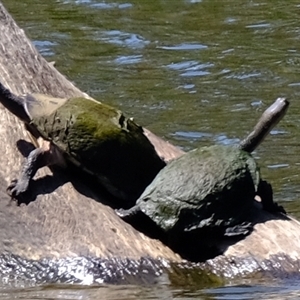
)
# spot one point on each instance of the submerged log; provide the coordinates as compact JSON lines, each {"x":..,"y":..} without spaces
{"x":68,"y":220}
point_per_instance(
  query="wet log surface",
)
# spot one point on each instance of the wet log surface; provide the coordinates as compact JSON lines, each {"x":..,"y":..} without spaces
{"x":68,"y":220}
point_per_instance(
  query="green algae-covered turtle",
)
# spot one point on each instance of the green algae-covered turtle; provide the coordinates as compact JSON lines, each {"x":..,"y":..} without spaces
{"x":94,"y":136}
{"x":208,"y":192}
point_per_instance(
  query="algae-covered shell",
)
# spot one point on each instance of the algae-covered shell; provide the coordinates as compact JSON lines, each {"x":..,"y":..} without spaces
{"x":100,"y":140}
{"x":208,"y":187}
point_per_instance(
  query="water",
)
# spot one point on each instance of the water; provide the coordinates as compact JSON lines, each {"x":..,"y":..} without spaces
{"x":196,"y":72}
{"x":241,"y":292}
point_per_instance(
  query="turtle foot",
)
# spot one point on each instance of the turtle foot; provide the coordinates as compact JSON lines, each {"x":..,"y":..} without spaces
{"x":122,"y":213}
{"x":18,"y":189}
{"x":126,"y":214}
{"x":239,"y":230}
{"x":141,"y":222}
{"x":265,"y":191}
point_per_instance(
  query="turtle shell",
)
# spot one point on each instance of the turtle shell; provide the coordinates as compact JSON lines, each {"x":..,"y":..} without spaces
{"x":207,"y":187}
{"x":101,"y":141}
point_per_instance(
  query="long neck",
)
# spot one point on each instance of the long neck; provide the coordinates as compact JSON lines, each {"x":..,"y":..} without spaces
{"x":267,"y":121}
{"x":13,"y":103}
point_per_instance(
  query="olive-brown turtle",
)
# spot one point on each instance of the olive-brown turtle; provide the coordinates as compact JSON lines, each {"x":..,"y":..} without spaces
{"x":207,"y":194}
{"x":83,"y":132}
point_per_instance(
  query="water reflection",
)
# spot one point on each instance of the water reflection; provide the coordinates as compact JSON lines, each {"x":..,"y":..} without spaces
{"x":259,"y":25}
{"x":184,"y":46}
{"x":100,"y":5}
{"x":89,"y":293}
{"x":45,"y":47}
{"x":129,"y":59}
{"x":190,"y":68}
{"x":284,"y":290}
{"x":120,"y":38}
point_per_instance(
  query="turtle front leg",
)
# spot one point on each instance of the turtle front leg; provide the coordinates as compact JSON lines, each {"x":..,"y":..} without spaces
{"x":38,"y":158}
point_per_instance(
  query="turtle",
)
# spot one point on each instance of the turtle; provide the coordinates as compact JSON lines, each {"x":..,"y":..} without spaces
{"x":94,"y":137}
{"x":207,"y":194}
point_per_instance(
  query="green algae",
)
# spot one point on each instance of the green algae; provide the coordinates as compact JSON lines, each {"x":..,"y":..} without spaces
{"x":102,"y":141}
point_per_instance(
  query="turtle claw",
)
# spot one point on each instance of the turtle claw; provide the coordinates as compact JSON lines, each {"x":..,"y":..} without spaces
{"x":17,"y":189}
{"x":121,"y":212}
{"x":242,"y":229}
{"x":126,"y":214}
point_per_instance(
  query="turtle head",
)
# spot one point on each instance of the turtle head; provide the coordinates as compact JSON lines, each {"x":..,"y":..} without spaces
{"x":15,"y":104}
{"x":267,"y":121}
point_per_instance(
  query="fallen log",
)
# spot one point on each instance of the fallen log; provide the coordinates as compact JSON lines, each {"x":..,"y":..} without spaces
{"x":67,"y":222}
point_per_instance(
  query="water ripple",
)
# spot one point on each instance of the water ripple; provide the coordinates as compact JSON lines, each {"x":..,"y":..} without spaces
{"x":121,"y":38}
{"x":192,"y":134}
{"x":277,"y":166}
{"x":187,"y":86}
{"x":221,"y":138}
{"x":259,"y":25}
{"x":191,"y":68}
{"x":104,"y":5}
{"x":128,"y":59}
{"x":194,"y":1}
{"x":193,"y":73}
{"x":230,"y":20}
{"x":184,"y":46}
{"x":256,"y":103}
{"x":44,"y":47}
{"x":244,"y":75}
{"x":100,"y":5}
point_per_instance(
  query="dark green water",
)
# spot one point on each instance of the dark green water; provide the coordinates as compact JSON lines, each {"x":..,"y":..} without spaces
{"x":196,"y":72}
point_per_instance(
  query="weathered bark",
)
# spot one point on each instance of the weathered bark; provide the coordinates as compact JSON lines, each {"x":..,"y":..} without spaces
{"x":67,"y":220}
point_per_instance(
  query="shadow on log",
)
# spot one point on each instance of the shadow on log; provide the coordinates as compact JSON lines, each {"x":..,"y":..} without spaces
{"x":64,"y":225}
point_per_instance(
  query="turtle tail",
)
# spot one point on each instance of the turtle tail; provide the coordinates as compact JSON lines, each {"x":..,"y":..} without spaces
{"x":16,"y":105}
